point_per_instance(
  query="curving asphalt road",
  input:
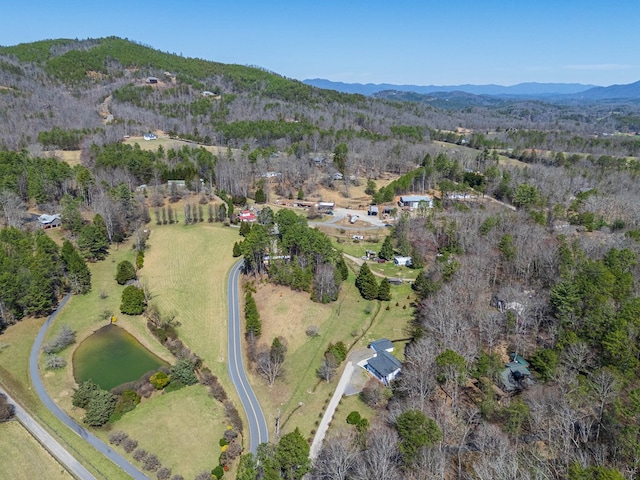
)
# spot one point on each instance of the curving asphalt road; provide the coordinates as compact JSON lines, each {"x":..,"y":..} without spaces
{"x":51,"y":444}
{"x":258,"y":431}
{"x":98,"y":444}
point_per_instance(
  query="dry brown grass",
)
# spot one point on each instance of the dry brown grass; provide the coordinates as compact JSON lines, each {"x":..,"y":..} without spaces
{"x":23,"y":458}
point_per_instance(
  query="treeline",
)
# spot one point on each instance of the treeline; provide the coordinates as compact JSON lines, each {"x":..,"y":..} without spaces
{"x":35,"y":272}
{"x":63,"y":139}
{"x":41,"y":179}
{"x":295,"y":255}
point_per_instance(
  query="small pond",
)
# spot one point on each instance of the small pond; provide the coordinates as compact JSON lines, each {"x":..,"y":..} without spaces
{"x":112,"y":356}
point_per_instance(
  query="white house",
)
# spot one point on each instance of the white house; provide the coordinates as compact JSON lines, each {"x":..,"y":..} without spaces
{"x":413,"y":201}
{"x":402,"y":261}
{"x":150,"y":136}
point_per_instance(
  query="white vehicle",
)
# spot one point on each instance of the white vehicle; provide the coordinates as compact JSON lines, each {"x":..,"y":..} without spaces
{"x":358,"y":237}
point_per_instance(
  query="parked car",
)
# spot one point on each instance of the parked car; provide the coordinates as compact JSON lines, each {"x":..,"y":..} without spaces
{"x":358,"y":237}
{"x":382,"y":260}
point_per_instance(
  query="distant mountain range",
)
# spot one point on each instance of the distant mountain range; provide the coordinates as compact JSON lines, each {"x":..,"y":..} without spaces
{"x":531,"y":90}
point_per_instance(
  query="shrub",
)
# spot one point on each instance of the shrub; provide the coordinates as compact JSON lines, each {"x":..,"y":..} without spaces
{"x":218,"y":472}
{"x":139,"y":259}
{"x":223,"y":442}
{"x":140,"y":454}
{"x":230,"y":434}
{"x":125,"y":272}
{"x":312,"y":331}
{"x":184,"y":372}
{"x":82,"y":395}
{"x":129,"y":445}
{"x":151,"y":463}
{"x":116,"y":438}
{"x":54,"y":362}
{"x":133,"y":301}
{"x":164,"y":473}
{"x":159,"y":380}
{"x":65,"y":337}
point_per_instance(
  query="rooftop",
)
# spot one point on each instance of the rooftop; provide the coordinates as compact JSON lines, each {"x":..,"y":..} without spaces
{"x":381,"y":345}
{"x":384,"y":363}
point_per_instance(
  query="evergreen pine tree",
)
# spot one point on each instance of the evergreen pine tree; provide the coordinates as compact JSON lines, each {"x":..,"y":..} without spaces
{"x":384,"y":290}
{"x":366,"y":283}
{"x":386,"y":251}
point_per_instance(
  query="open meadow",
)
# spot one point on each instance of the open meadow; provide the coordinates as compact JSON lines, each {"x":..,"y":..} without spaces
{"x":23,"y":458}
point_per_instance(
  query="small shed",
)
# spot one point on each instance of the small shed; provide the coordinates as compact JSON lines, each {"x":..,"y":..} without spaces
{"x":152,"y":80}
{"x":373,"y":210}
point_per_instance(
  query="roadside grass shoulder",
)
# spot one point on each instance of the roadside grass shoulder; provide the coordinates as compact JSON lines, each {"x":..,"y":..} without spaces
{"x":22,"y":456}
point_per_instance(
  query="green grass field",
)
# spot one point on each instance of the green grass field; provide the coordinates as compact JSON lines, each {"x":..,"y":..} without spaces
{"x":23,"y":458}
{"x":186,"y":269}
{"x":182,"y":428}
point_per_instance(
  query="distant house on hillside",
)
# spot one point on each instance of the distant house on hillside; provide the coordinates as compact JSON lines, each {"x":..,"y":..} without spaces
{"x":516,"y":373}
{"x":177,"y":183}
{"x":152,"y":80}
{"x":247,"y":216}
{"x":413,"y":201}
{"x":402,"y":261}
{"x":150,"y":136}
{"x":49,"y":221}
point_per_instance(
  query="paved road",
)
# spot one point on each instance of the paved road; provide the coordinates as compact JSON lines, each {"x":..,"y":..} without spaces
{"x":98,"y":444}
{"x":50,"y":443}
{"x":258,"y":431}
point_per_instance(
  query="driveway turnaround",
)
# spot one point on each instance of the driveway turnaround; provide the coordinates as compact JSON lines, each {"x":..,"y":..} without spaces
{"x":98,"y":444}
{"x":51,"y":444}
{"x":258,"y":431}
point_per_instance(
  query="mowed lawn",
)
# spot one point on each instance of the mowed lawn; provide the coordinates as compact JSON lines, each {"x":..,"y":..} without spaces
{"x":23,"y":458}
{"x":182,"y":428}
{"x":186,"y":268}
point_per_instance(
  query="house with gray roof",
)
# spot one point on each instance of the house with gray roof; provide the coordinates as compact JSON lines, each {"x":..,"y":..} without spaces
{"x":380,"y":345}
{"x":384,"y":366}
{"x":413,"y":201}
{"x":49,"y":221}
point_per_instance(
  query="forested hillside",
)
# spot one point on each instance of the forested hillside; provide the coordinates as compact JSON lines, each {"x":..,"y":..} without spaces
{"x":532,"y":246}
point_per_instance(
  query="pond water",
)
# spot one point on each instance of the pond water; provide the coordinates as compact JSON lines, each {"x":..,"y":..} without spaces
{"x":112,"y":356}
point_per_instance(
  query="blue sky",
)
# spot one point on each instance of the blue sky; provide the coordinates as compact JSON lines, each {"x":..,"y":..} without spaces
{"x":402,"y":42}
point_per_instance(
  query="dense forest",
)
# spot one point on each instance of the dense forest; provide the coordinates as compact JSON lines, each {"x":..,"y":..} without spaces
{"x":547,"y":269}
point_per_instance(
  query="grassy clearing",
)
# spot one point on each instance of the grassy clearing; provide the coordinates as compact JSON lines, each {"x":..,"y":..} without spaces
{"x":301,"y":397}
{"x":182,"y":428}
{"x":23,"y":458}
